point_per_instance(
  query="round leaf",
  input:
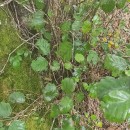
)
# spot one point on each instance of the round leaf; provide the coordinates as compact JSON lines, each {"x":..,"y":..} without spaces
{"x":93,"y":57}
{"x":127,"y":72}
{"x":99,"y":124}
{"x":54,"y":111}
{"x":120,"y":3}
{"x":39,"y":4}
{"x":40,"y":64}
{"x":79,"y":97}
{"x":37,"y":22}
{"x":5,"y":110}
{"x":17,"y":125}
{"x":107,"y":5}
{"x":68,"y":124}
{"x":55,"y":66}
{"x":79,"y":57}
{"x":44,"y":46}
{"x":76,"y":25}
{"x":50,"y":92}
{"x":17,"y":97}
{"x":114,"y":95}
{"x":65,"y":51}
{"x":68,"y":85}
{"x":115,"y":64}
{"x":65,"y":105}
{"x":16,"y":60}
{"x":86,"y":26}
{"x":65,"y":26}
{"x":68,"y":66}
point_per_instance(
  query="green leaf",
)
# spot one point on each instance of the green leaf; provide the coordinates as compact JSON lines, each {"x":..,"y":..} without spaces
{"x":65,"y":51}
{"x":68,"y":65}
{"x":78,"y":43}
{"x":79,"y":97}
{"x":26,"y":53}
{"x":83,"y":128}
{"x":65,"y":105}
{"x":93,"y":117}
{"x":76,"y":118}
{"x":96,"y":32}
{"x":40,"y":64}
{"x":127,"y":72}
{"x":17,"y":97}
{"x":79,"y":57}
{"x":50,"y":13}
{"x":16,"y":61}
{"x":37,"y":21}
{"x":39,"y":4}
{"x":114,"y":95}
{"x":68,"y":124}
{"x":17,"y":125}
{"x":66,"y":26}
{"x":99,"y":124}
{"x":76,"y":25}
{"x":86,"y":27}
{"x":119,"y":102}
{"x":50,"y":92}
{"x":44,"y":46}
{"x":115,"y":64}
{"x":120,"y":4}
{"x":20,"y":52}
{"x":55,"y":66}
{"x":77,"y":71}
{"x":96,"y":19}
{"x":55,"y":111}
{"x":68,"y":85}
{"x":86,"y":114}
{"x":107,"y":5}
{"x":86,"y":86}
{"x":127,"y":51}
{"x":93,"y":57}
{"x":5,"y":110}
{"x":1,"y":124}
{"x":47,"y":35}
{"x":2,"y":128}
{"x":65,"y":37}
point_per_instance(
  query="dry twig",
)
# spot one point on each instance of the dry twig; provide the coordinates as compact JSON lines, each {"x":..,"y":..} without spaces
{"x":5,"y":3}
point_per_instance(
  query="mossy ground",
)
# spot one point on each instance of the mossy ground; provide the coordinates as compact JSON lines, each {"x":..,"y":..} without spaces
{"x":36,"y":123}
{"x":14,"y":78}
{"x":22,"y":78}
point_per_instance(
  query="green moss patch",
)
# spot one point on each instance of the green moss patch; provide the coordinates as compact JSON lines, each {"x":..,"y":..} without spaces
{"x":14,"y":79}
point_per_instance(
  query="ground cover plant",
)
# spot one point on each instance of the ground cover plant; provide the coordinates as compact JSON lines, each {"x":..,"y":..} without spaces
{"x":80,"y":57}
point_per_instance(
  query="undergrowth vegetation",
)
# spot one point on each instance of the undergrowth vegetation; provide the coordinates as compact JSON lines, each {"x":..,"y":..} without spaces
{"x":77,"y":55}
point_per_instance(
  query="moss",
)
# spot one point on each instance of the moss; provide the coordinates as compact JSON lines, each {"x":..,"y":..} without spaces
{"x":22,"y":78}
{"x":8,"y":35}
{"x":19,"y":79}
{"x":37,"y":123}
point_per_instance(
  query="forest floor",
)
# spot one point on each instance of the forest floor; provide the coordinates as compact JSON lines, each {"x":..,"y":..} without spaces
{"x":118,"y":17}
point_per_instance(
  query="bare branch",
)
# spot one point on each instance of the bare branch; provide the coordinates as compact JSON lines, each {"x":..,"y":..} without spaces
{"x":5,"y":3}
